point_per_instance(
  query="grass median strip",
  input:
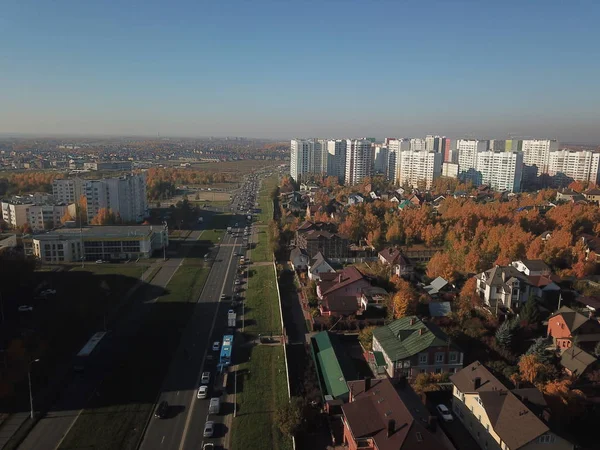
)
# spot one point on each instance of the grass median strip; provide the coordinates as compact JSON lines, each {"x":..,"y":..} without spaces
{"x":262,"y":389}
{"x":262,"y":304}
{"x":116,"y":417}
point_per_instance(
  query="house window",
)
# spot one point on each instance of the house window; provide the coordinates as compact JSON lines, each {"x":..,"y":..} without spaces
{"x":423,"y":358}
{"x":453,"y":357}
{"x":452,"y":370}
{"x":439,"y":357}
{"x":546,"y":439}
{"x":438,"y":370}
{"x":406,"y":363}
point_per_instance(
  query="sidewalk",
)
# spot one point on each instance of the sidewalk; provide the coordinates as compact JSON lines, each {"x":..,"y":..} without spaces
{"x":14,"y":427}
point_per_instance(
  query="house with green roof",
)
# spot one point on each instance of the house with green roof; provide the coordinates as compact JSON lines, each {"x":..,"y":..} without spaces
{"x":411,"y":346}
{"x":334,"y":366}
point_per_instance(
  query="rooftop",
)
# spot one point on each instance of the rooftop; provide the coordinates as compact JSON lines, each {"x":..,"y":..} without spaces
{"x":100,"y":232}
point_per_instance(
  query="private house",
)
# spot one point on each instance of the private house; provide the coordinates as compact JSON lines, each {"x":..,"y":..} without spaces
{"x":321,"y":237}
{"x":500,"y":419}
{"x":566,"y":325}
{"x":318,"y":265}
{"x":389,"y":255}
{"x":509,"y":287}
{"x":373,"y":297}
{"x":394,"y":257}
{"x":592,"y":245}
{"x":592,"y":195}
{"x":575,"y":361}
{"x":299,"y":258}
{"x":568,"y":195}
{"x":354,"y":199}
{"x":333,"y":364}
{"x":376,"y":418}
{"x":411,"y":346}
{"x":339,"y":291}
{"x":437,"y":287}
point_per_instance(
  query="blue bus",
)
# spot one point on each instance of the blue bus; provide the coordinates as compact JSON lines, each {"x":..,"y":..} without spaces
{"x":225,"y":357}
{"x":82,"y":358}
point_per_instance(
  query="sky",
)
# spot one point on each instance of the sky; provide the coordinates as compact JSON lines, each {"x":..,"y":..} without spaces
{"x":303,"y":68}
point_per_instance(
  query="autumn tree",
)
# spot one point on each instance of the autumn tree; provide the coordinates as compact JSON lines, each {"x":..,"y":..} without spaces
{"x":565,"y":403}
{"x":82,"y":210}
{"x":365,"y":337}
{"x":531,"y":369}
{"x":440,"y":265}
{"x":468,"y":300}
{"x":404,"y":302}
{"x":66,"y":217}
{"x":105,"y":216}
{"x":288,"y":416}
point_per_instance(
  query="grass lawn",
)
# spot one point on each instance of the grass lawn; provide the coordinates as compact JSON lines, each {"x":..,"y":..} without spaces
{"x":213,"y":235}
{"x":116,"y":418}
{"x":262,"y":304}
{"x":261,"y":389}
{"x":264,"y":199}
{"x":261,"y":251}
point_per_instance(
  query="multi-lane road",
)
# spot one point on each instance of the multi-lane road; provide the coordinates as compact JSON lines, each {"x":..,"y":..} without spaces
{"x":184,"y":425}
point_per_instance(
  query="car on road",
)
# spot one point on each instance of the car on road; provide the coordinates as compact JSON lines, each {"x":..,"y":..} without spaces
{"x":202,"y":392}
{"x":238,"y":282}
{"x":444,"y":412}
{"x":224,"y":297}
{"x":161,"y":410}
{"x":205,"y":379}
{"x":216,"y":346}
{"x":25,"y":308}
{"x":99,"y":261}
{"x":208,"y":446}
{"x":209,"y":429}
{"x":48,"y":292}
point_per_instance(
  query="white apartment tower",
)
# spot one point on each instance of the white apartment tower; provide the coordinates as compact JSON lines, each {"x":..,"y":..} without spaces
{"x":125,"y":196}
{"x":418,"y":168}
{"x":468,"y":150}
{"x":418,"y":144}
{"x":391,"y":167}
{"x":67,"y":190}
{"x":571,"y":165}
{"x":359,"y":161}
{"x":336,"y":157}
{"x":299,"y":157}
{"x":380,"y":162}
{"x":502,"y":171}
{"x":536,"y":154}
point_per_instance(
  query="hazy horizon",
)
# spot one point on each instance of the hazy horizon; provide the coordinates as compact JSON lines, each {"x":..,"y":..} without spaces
{"x":274,"y":70}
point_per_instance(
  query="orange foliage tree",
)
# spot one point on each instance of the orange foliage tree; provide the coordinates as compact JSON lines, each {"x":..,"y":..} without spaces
{"x":404,"y":302}
{"x":530,"y":368}
{"x":440,"y":265}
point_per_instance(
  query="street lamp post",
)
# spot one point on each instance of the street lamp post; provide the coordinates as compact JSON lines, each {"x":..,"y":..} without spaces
{"x":30,"y":391}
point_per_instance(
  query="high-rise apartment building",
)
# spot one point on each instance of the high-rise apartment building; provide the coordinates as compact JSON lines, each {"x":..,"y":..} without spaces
{"x":380,"y":161}
{"x":391,"y":167}
{"x":565,"y":166}
{"x":298,"y":158}
{"x":536,"y":154}
{"x":450,"y":170}
{"x":321,"y":156}
{"x":502,"y":171}
{"x":359,"y":161}
{"x":418,"y":168}
{"x":67,"y":190}
{"x":125,"y":196}
{"x":446,"y":149}
{"x":418,"y":144}
{"x":336,"y":157}
{"x":468,"y":150}
{"x":429,"y":142}
{"x":308,"y":156}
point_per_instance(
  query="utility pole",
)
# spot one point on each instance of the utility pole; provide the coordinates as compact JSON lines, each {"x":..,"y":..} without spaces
{"x":30,"y":391}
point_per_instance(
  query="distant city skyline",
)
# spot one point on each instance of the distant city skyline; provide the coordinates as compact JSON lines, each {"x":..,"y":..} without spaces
{"x":268,"y":69}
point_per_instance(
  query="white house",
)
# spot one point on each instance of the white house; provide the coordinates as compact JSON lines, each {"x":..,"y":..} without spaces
{"x":299,"y":258}
{"x":318,"y":265}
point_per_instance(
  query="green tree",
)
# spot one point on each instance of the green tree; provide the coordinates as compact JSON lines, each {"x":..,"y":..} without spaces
{"x":530,"y":312}
{"x":505,"y":333}
{"x":288,"y":417}
{"x":538,"y":348}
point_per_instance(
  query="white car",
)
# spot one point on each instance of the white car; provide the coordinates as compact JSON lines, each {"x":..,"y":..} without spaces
{"x":205,"y":379}
{"x":99,"y":261}
{"x":209,"y":428}
{"x":208,"y":446}
{"x":216,"y":346}
{"x":48,"y":292}
{"x":444,"y":412}
{"x":202,"y":392}
{"x":25,"y":308}
{"x":238,"y":282}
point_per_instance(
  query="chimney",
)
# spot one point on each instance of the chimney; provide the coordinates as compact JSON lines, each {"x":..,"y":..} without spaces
{"x":477,"y":382}
{"x":390,"y":427}
{"x":420,"y":331}
{"x":340,"y":278}
{"x":367,"y":383}
{"x":412,"y":320}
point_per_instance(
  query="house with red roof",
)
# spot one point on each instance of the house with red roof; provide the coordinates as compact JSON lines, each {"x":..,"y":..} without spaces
{"x":339,"y":291}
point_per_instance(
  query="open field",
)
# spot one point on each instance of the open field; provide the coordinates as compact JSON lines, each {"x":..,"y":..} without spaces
{"x":243,"y":167}
{"x":128,"y":270}
{"x":262,"y":304}
{"x":213,"y":235}
{"x":261,"y":388}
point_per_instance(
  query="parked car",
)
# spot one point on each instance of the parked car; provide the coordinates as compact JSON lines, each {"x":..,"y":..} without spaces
{"x":161,"y":410}
{"x":202,"y":392}
{"x":444,"y":412}
{"x":209,"y":428}
{"x":25,"y":308}
{"x":205,"y":379}
{"x":208,"y":446}
{"x":216,"y":346}
{"x":48,"y":292}
{"x":99,"y":261}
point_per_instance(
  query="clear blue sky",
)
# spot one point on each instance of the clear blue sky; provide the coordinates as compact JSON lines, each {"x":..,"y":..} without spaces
{"x":301,"y":68}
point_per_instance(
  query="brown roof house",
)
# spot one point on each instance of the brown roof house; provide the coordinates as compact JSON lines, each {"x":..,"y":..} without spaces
{"x":376,"y":418}
{"x":338,"y":291}
{"x":592,"y":195}
{"x":576,"y":361}
{"x":500,"y":419}
{"x":321,"y":237}
{"x":566,"y":325}
{"x":401,"y":265}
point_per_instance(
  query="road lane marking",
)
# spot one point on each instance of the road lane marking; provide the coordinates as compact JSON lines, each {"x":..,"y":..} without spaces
{"x":162,"y":440}
{"x":193,"y":403}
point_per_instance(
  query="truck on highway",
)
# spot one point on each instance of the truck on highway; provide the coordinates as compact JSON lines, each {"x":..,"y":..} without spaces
{"x":231,"y":318}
